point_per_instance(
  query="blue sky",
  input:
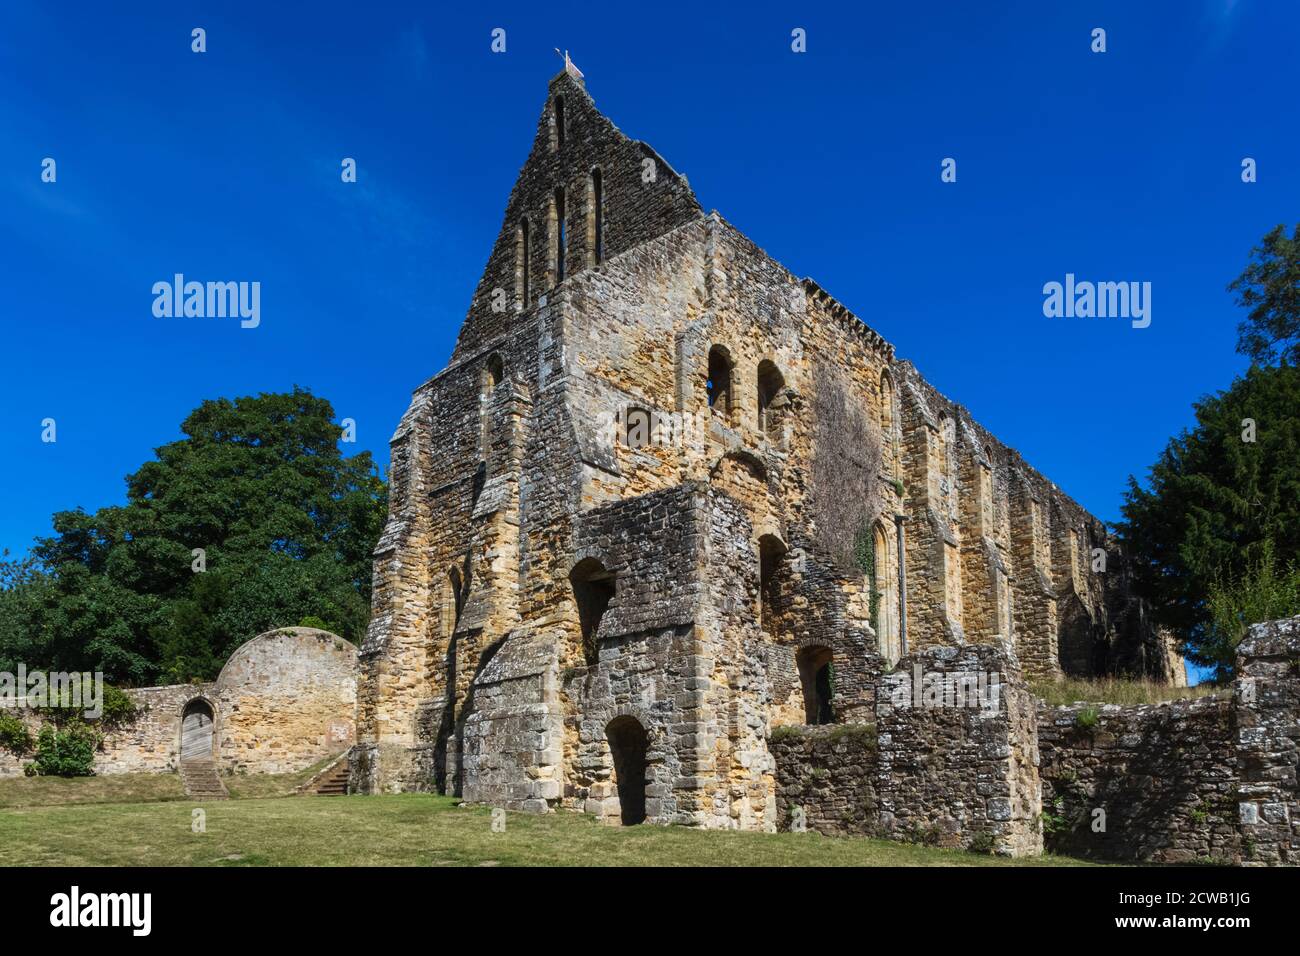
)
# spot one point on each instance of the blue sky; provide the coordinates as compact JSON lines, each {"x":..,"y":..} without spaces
{"x":225,"y":166}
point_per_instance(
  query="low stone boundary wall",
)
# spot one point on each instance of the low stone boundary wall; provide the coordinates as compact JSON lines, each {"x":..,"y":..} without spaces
{"x":829,"y":774}
{"x":1152,"y":782}
{"x":1211,"y":780}
{"x":284,"y":700}
{"x":149,"y":743}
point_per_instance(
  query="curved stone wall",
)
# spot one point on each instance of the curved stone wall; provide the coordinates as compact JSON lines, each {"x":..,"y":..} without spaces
{"x":285,"y":700}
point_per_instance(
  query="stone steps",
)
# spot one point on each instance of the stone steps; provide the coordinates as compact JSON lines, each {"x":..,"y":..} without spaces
{"x":334,"y":783}
{"x":202,"y":781}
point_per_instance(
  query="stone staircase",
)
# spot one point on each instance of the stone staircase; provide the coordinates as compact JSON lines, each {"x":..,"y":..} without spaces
{"x":202,"y":781}
{"x":332,"y":781}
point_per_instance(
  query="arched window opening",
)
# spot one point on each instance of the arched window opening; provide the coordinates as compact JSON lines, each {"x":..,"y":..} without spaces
{"x":561,"y":243}
{"x":595,"y":220}
{"x":495,"y":373}
{"x":884,"y":597}
{"x":771,"y":401}
{"x":196,"y":730}
{"x":492,"y":375}
{"x":628,"y":745}
{"x":718,"y":383}
{"x":559,"y":122}
{"x":638,"y":427}
{"x":523,"y":277}
{"x":817,"y":676}
{"x":771,"y":551}
{"x":985,"y":473}
{"x":552,"y":245}
{"x":593,"y":589}
{"x":944,"y":455}
{"x":458,"y":598}
{"x":887,"y":422}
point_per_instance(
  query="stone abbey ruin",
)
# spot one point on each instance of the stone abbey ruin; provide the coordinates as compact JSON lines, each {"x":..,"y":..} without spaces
{"x":676,"y":538}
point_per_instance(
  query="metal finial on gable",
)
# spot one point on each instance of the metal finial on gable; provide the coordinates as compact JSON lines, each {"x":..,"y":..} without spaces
{"x":569,"y":66}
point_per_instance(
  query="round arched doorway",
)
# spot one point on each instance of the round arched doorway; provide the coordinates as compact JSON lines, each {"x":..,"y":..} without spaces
{"x":627,"y":745}
{"x":196,"y":730}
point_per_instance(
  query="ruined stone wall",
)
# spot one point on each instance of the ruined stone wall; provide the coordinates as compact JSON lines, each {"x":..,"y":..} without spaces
{"x":1150,"y":782}
{"x":958,"y":758}
{"x":950,"y":759}
{"x":1267,"y":699}
{"x":829,"y":775}
{"x":447,"y":567}
{"x":285,"y":700}
{"x":1205,"y":780}
{"x":513,"y":733}
{"x":148,"y":744}
{"x":732,"y":778}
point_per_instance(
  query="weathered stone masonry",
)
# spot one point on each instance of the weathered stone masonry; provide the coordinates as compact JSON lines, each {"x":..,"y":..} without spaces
{"x":284,"y":700}
{"x":666,"y":496}
{"x":1207,"y":780}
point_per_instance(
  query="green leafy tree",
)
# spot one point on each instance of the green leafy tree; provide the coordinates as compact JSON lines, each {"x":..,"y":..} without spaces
{"x":1217,"y":507}
{"x":1270,"y":289}
{"x":23,"y":591}
{"x":1215,"y":533}
{"x":285,"y":522}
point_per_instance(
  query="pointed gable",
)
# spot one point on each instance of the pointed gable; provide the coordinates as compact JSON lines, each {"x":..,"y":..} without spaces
{"x":585,"y":194}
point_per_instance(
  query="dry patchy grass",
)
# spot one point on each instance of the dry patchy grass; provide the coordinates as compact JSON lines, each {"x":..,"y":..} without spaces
{"x":1117,"y":691}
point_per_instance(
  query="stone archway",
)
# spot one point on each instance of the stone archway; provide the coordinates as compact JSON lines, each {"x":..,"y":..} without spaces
{"x":197,"y":723}
{"x":627,"y":745}
{"x":815,"y":674}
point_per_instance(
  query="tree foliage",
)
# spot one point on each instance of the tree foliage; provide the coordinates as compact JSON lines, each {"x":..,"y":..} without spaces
{"x":285,"y":523}
{"x":1219,"y":511}
{"x":1270,"y":289}
{"x":1215,"y":532}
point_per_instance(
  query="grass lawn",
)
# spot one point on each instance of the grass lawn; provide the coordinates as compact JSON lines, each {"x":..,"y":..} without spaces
{"x":117,"y":788}
{"x":139,"y":787}
{"x":414,"y":830}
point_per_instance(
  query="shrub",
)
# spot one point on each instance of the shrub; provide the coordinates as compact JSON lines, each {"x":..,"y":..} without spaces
{"x":1055,"y":822}
{"x":14,"y":735}
{"x":119,"y":708}
{"x":864,"y":735}
{"x":67,"y":751}
{"x":981,"y":842}
{"x":1087,"y":718}
{"x":784,"y":732}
